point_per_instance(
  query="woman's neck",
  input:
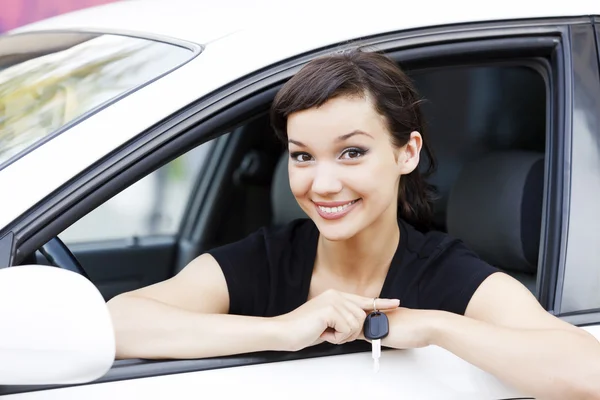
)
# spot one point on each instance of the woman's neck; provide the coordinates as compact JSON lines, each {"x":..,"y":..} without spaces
{"x":364,"y":257}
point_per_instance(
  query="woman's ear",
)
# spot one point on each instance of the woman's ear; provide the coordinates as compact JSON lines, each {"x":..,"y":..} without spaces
{"x":410,"y":154}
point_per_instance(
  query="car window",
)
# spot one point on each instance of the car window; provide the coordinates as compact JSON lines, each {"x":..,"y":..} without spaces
{"x":153,"y":206}
{"x":48,"y":80}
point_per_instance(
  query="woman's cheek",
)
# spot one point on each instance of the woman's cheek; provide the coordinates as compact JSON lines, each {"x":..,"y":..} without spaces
{"x":300,"y":181}
{"x":368,"y":182}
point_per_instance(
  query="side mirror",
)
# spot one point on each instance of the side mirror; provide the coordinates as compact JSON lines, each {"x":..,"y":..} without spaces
{"x":55,"y":327}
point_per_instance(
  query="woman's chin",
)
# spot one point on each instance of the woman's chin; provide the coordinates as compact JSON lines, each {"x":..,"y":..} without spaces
{"x":336,"y":232}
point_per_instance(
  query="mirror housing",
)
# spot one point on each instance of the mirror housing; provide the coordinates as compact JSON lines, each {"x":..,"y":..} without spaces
{"x":55,"y":327}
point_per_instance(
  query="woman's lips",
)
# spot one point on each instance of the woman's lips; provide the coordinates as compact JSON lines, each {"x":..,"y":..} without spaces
{"x":335,"y":209}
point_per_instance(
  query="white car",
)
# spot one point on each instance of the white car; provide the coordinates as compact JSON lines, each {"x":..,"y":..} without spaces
{"x":134,"y":136}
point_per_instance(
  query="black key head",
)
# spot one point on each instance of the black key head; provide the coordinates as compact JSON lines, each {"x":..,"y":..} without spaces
{"x":376,"y":326}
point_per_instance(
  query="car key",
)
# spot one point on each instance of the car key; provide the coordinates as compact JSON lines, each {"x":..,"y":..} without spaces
{"x":375,"y":328}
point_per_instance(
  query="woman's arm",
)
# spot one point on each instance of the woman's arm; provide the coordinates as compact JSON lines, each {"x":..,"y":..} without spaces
{"x":507,"y":333}
{"x":147,"y":328}
{"x":186,"y":317}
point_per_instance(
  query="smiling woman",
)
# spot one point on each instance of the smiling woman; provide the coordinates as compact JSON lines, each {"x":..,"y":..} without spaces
{"x":355,"y":134}
{"x":328,"y":170}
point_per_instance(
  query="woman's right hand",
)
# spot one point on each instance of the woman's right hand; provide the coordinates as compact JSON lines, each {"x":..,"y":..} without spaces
{"x":333,"y":316}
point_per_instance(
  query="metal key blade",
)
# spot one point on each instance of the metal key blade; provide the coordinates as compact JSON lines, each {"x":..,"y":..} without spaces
{"x":376,"y":353}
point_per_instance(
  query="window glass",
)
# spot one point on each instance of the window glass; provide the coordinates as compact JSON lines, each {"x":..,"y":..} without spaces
{"x":152,"y":206}
{"x":487,"y":127}
{"x":48,"y":80}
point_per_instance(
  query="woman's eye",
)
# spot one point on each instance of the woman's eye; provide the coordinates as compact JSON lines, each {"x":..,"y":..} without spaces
{"x":353,"y":153}
{"x":301,"y":157}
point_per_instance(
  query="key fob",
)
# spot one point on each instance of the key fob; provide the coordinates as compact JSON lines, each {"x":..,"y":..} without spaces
{"x":376,"y":326}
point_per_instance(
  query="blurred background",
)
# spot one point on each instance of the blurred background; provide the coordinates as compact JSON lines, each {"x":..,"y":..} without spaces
{"x":17,"y":13}
{"x":42,"y":91}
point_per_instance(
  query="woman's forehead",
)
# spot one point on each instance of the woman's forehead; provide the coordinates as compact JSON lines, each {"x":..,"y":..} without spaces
{"x":337,"y":117}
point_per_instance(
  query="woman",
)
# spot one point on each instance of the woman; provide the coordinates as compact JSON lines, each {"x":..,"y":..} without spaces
{"x":354,"y":132}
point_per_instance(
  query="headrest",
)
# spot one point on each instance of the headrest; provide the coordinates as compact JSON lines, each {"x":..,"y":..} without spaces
{"x":285,"y":206}
{"x":495,"y":207}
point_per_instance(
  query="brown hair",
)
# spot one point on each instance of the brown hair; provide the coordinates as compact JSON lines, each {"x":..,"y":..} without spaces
{"x":356,"y":72}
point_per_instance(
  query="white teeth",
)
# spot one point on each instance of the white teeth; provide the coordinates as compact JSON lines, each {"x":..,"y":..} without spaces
{"x":337,"y":209}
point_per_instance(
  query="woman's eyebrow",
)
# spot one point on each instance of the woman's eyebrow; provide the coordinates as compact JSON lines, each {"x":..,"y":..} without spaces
{"x":349,"y":135}
{"x":338,"y":139}
{"x":297,"y":143}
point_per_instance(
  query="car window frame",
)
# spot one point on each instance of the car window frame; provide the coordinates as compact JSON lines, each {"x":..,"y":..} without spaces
{"x":200,"y":123}
{"x":576,"y":299}
{"x":194,"y":48}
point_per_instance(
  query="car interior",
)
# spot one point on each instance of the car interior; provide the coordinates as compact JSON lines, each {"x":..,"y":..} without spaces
{"x":487,"y":127}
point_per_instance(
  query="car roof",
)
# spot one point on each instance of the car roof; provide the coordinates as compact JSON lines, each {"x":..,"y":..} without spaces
{"x":204,"y":21}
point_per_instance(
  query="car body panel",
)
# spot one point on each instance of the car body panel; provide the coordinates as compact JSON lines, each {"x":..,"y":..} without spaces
{"x":430,"y":373}
{"x":206,"y":21}
{"x":427,"y":373}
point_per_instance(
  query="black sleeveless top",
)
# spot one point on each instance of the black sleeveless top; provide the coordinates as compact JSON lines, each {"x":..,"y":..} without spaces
{"x":269,"y":272}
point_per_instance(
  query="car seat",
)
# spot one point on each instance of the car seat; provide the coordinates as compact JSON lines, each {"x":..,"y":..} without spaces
{"x":495,"y":208}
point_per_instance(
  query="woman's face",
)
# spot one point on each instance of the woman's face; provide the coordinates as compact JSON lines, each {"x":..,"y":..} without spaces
{"x":343,"y":168}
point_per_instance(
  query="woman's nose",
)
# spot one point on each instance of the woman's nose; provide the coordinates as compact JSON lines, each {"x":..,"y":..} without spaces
{"x":326,"y":181}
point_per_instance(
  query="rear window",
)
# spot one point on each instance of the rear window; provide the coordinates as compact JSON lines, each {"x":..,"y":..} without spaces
{"x":48,"y":80}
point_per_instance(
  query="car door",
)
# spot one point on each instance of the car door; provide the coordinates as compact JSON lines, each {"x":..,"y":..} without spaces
{"x":346,"y":371}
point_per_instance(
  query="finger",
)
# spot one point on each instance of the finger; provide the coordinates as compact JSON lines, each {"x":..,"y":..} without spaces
{"x":340,"y":325}
{"x":318,"y":341}
{"x":332,"y":336}
{"x":352,"y":321}
{"x":328,"y":336}
{"x":366,"y":303}
{"x":359,"y":314}
{"x":355,"y":317}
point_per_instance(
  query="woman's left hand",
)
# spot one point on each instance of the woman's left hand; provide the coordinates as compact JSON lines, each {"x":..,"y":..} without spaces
{"x":408,"y":328}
